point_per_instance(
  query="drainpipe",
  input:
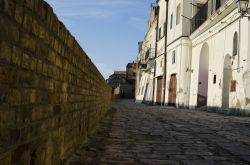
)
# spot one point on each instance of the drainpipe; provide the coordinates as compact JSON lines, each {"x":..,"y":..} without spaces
{"x":247,"y":77}
{"x":165,"y":56}
{"x":156,"y":45}
{"x":239,"y":42}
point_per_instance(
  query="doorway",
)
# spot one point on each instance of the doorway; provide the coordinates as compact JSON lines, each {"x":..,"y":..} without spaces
{"x":159,"y":91}
{"x":227,"y":77}
{"x":172,"y":90}
{"x":203,"y":77}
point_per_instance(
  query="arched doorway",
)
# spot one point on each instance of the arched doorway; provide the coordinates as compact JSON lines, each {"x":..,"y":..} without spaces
{"x":227,"y":77}
{"x":203,"y":76}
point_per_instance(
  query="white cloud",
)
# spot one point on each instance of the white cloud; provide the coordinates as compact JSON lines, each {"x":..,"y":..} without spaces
{"x":94,"y":9}
{"x":103,"y":3}
{"x":92,"y":14}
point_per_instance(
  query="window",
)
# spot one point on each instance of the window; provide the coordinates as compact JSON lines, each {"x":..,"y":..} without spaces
{"x":235,"y":44}
{"x":178,"y":14}
{"x":171,"y":21}
{"x":159,"y":36}
{"x":165,"y":28}
{"x":142,"y":90}
{"x":147,"y":54}
{"x":173,"y":57}
{"x":214,"y":79}
{"x":218,"y":4}
{"x":161,"y":63}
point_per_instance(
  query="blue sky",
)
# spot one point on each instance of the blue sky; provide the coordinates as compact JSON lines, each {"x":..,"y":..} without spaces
{"x":108,"y":30}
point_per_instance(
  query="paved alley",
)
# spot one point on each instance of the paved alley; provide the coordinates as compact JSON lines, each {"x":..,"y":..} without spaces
{"x":141,"y":134}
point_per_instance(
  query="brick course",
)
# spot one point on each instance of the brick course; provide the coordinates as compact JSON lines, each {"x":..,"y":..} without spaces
{"x":51,"y":94}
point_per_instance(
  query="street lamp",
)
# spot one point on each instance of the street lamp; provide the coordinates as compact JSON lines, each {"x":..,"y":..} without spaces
{"x":243,"y":6}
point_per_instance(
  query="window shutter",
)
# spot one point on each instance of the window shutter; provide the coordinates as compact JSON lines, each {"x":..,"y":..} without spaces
{"x":233,"y":86}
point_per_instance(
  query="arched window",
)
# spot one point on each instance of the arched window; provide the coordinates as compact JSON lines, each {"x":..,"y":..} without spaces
{"x":235,"y":44}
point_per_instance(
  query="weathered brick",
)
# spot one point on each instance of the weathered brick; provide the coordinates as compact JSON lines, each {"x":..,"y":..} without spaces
{"x":29,"y":3}
{"x":42,"y":33}
{"x":33,"y":64}
{"x":26,"y":61}
{"x":52,"y":56}
{"x":45,"y":69}
{"x":26,"y":79}
{"x":8,"y":137}
{"x":27,"y":20}
{"x":5,"y":51}
{"x":4,"y":28}
{"x":35,"y":27}
{"x":5,"y":117}
{"x":7,"y":74}
{"x":9,"y":31}
{"x":25,"y":96}
{"x":16,"y":57}
{"x":13,"y":33}
{"x":28,"y":42}
{"x":9,"y":7}
{"x":39,"y":67}
{"x":19,"y":13}
{"x":14,"y":97}
{"x":21,"y":154}
{"x":5,"y":159}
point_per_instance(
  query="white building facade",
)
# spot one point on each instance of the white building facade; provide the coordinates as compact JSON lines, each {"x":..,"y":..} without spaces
{"x":145,"y":60}
{"x":220,"y":58}
{"x":178,"y":53}
{"x":160,"y":67}
{"x":205,"y":47}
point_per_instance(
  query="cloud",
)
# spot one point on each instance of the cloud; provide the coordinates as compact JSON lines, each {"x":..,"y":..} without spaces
{"x":98,"y":3}
{"x":118,"y":3}
{"x":94,"y":9}
{"x":91,"y":14}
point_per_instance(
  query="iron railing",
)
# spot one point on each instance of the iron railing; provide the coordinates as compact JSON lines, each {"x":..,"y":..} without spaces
{"x":204,"y":12}
{"x":199,"y":18}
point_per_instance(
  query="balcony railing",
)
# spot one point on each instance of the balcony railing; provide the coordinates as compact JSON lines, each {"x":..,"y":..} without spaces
{"x":204,"y":12}
{"x":199,"y":18}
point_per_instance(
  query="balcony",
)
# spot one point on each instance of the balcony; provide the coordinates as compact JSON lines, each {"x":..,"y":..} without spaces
{"x":204,"y":12}
{"x":199,"y":18}
{"x":151,"y":64}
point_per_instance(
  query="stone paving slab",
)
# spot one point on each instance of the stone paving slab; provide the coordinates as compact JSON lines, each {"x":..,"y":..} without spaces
{"x":141,"y":134}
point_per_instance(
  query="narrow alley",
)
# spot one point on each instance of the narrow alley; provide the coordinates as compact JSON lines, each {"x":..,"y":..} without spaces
{"x":139,"y":134}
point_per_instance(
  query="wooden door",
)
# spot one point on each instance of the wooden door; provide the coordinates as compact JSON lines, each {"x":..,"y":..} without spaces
{"x":159,"y":91}
{"x":172,"y":90}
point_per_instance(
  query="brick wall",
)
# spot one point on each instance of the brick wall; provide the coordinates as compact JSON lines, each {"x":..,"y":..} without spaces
{"x":51,"y":94}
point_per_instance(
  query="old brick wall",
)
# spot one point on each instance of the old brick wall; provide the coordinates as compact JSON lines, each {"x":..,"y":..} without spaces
{"x":51,"y":94}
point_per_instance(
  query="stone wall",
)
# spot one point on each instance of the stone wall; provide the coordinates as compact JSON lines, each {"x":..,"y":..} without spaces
{"x":51,"y":94}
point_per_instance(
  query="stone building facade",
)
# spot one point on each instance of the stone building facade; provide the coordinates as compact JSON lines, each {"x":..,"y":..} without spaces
{"x":131,"y":72}
{"x":206,"y":55}
{"x":123,"y":82}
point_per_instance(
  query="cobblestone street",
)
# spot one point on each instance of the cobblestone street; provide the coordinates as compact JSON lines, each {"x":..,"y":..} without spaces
{"x":141,"y":134}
